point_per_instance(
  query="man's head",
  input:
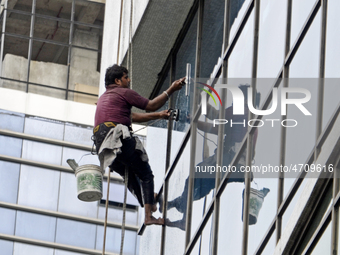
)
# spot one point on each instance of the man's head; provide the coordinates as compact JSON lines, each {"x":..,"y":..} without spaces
{"x":117,"y":75}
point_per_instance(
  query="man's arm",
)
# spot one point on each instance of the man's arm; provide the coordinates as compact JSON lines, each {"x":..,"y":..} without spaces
{"x":142,"y":117}
{"x":160,"y":100}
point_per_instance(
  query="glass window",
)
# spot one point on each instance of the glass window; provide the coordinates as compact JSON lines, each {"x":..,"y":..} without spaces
{"x":177,"y":205}
{"x":24,"y":249}
{"x":324,"y":244}
{"x":212,"y":35}
{"x":68,"y":200}
{"x":44,"y":127}
{"x":11,"y":121}
{"x":237,"y":11}
{"x":9,"y":181}
{"x":10,"y":146}
{"x":300,"y":12}
{"x":204,"y":243}
{"x":7,"y":217}
{"x":6,"y":247}
{"x":113,"y":240}
{"x":35,"y":226}
{"x":77,"y":134}
{"x":42,"y":152}
{"x":271,"y":38}
{"x":60,"y":9}
{"x":76,"y":233}
{"x":39,"y":187}
{"x":80,"y":156}
{"x":116,"y":214}
{"x":54,"y":30}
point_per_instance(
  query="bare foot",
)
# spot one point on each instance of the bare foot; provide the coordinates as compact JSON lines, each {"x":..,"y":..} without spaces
{"x":153,"y":221}
{"x":153,"y":208}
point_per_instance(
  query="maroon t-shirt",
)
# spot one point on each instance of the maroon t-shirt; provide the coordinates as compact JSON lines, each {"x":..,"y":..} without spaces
{"x":115,"y":105}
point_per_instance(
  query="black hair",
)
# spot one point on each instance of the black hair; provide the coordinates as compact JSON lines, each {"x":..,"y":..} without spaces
{"x":114,"y":72}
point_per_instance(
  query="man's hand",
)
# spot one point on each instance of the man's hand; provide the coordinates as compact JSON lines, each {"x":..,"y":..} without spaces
{"x":165,"y":114}
{"x":178,"y":84}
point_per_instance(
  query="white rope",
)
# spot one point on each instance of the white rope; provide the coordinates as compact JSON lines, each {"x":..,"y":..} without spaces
{"x":124,"y":211}
{"x":129,"y":53}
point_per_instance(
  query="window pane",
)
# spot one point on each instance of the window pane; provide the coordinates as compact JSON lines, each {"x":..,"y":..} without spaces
{"x":9,"y":180}
{"x":113,"y":240}
{"x":68,"y":200}
{"x":35,"y":226}
{"x":77,"y":134}
{"x":44,"y":127}
{"x":11,"y":121}
{"x":6,"y":247}
{"x":10,"y":146}
{"x":39,"y":187}
{"x":7,"y":217}
{"x":42,"y":152}
{"x":76,"y":233}
{"x":25,"y":249}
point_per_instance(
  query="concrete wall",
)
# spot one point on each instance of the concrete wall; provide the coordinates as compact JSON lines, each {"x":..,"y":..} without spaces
{"x":51,"y":74}
{"x":111,"y":32}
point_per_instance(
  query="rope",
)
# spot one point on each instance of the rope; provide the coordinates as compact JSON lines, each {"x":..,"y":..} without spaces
{"x":124,"y":211}
{"x":129,"y":52}
{"x":106,"y":210}
{"x":120,"y":29}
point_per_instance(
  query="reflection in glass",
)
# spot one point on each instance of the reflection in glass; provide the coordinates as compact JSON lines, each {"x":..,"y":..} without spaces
{"x":177,"y":204}
{"x":35,"y":226}
{"x":324,"y":244}
{"x":271,"y":38}
{"x":39,"y":187}
{"x":41,"y":152}
{"x":76,"y":233}
{"x":204,"y":243}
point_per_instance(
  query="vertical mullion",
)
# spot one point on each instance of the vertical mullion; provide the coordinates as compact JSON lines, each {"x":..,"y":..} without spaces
{"x":250,"y":134}
{"x":219,"y":160}
{"x":172,"y":73}
{"x":70,"y":48}
{"x":321,"y":73}
{"x":3,"y":35}
{"x":30,"y":45}
{"x":193,"y":134}
{"x":283,"y":136}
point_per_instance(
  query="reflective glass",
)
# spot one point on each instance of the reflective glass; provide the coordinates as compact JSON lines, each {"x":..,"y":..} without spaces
{"x":332,"y":50}
{"x":54,"y":30}
{"x":204,"y":243}
{"x":185,"y":55}
{"x":7,"y":217}
{"x":230,"y":223}
{"x":41,"y":152}
{"x":78,"y":134}
{"x":76,"y":233}
{"x":44,"y":127}
{"x":39,"y":187}
{"x":89,"y":12}
{"x":177,"y":204}
{"x":324,"y":244}
{"x":68,"y":200}
{"x":237,"y":11}
{"x":6,"y":247}
{"x":11,"y":121}
{"x":18,"y":23}
{"x":9,"y":181}
{"x":116,"y":215}
{"x":61,"y":252}
{"x":212,"y":35}
{"x":300,"y":12}
{"x":24,"y":249}
{"x":10,"y":146}
{"x":240,"y":60}
{"x":80,"y":156}
{"x":331,"y":99}
{"x":35,"y":226}
{"x":271,"y":38}
{"x":113,"y":240}
{"x":270,"y":247}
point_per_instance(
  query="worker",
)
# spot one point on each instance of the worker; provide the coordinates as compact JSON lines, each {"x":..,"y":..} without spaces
{"x":116,"y":147}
